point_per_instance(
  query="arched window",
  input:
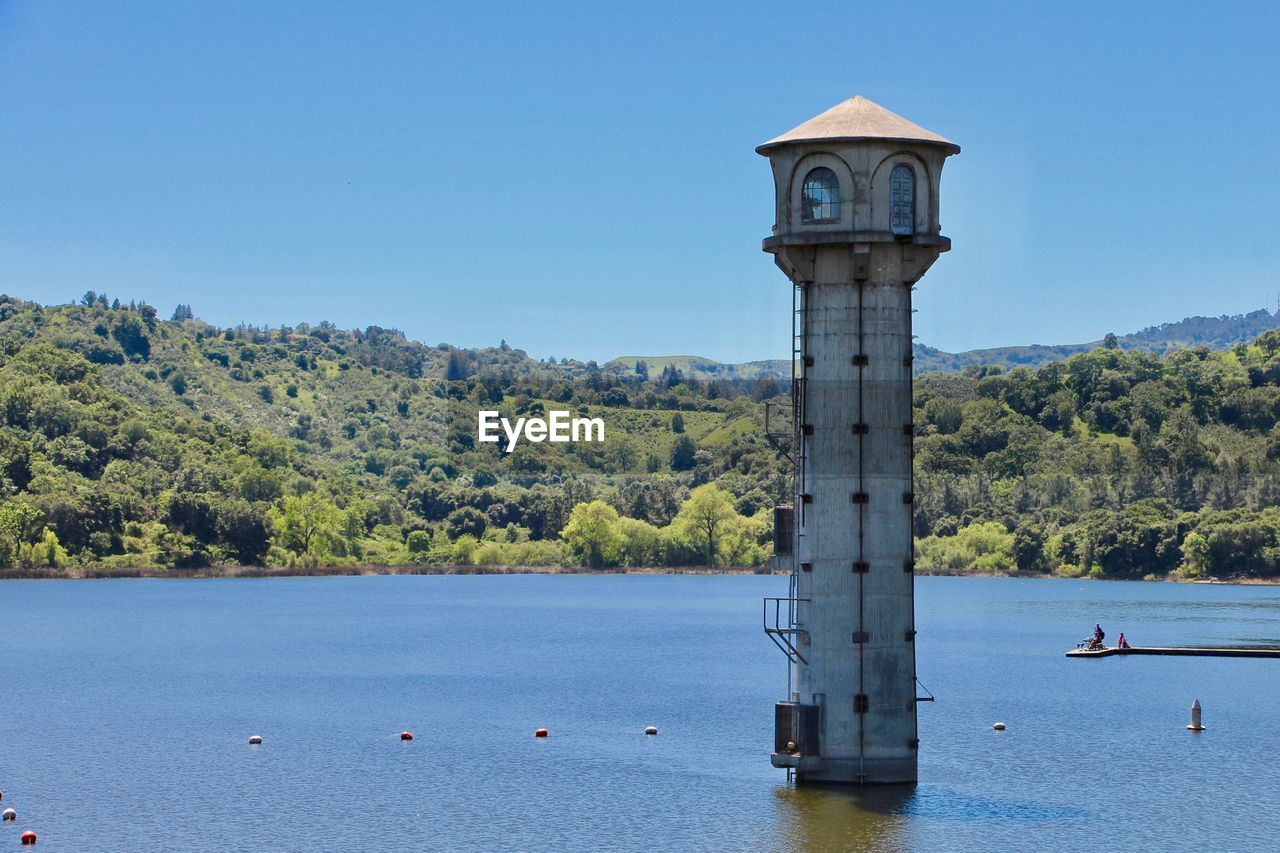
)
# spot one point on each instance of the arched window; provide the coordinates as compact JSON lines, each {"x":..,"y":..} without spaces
{"x":820,"y":199}
{"x":902,"y":200}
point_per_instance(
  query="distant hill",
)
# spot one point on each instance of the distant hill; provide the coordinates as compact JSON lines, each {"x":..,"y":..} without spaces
{"x":1211,"y":332}
{"x":703,"y":368}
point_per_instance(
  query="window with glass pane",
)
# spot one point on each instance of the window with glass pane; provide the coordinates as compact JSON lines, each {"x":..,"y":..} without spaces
{"x":902,"y":200}
{"x":820,"y":200}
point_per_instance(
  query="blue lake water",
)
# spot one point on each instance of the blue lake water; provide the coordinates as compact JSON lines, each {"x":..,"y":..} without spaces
{"x":126,"y":706}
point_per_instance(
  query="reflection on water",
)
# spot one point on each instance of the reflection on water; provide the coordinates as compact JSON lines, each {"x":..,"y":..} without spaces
{"x":829,"y":818}
{"x":883,"y":818}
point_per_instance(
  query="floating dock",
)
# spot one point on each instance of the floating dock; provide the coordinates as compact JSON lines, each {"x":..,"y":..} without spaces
{"x":1177,"y":651}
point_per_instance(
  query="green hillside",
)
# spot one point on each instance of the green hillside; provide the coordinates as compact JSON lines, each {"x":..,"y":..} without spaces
{"x":127,"y":440}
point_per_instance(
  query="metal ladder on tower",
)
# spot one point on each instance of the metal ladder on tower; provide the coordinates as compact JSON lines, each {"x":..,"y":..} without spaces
{"x":780,"y":615}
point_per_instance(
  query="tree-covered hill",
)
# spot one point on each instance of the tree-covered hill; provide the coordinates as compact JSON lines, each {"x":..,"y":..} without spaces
{"x":131,"y":440}
{"x":128,"y":440}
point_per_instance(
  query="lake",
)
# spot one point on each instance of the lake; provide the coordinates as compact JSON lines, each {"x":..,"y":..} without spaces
{"x":127,"y":705}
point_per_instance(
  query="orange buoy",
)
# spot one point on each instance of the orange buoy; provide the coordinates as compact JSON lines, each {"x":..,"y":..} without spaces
{"x":28,"y":837}
{"x":540,"y":733}
{"x":8,"y":815}
{"x":406,"y":736}
{"x":255,"y":739}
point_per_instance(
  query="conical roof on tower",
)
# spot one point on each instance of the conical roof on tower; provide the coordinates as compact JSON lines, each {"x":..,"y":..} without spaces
{"x":858,"y":118}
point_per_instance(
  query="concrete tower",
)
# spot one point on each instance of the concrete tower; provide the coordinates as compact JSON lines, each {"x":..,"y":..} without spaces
{"x":856,"y":228}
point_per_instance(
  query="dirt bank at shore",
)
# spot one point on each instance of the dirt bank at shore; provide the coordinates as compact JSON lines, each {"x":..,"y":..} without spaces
{"x":86,"y":572}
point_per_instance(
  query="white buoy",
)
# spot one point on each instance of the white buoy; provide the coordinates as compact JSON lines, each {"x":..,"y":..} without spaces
{"x":1195,"y":726}
{"x":998,"y":727}
{"x":8,"y":814}
{"x":255,"y":739}
{"x":651,"y":730}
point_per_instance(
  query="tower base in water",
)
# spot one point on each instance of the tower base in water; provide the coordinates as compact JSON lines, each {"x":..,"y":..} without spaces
{"x":816,"y":770}
{"x":798,"y":747}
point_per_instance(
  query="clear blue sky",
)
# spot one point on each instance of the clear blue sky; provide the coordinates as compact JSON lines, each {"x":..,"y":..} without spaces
{"x":581,"y":180}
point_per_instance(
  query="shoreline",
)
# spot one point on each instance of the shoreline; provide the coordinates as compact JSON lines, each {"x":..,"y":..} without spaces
{"x":227,"y":572}
{"x":231,"y":572}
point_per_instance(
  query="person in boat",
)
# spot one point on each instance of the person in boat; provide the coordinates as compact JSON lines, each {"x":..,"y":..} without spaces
{"x":1121,"y":642}
{"x":1098,"y":636}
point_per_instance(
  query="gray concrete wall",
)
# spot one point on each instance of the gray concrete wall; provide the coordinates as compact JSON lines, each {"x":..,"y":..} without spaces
{"x":844,"y":317}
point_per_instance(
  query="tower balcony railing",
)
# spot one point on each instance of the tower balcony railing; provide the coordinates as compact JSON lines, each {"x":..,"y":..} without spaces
{"x":780,"y":625}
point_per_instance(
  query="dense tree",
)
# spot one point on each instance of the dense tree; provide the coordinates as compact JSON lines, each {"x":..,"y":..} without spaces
{"x":246,"y":530}
{"x":466,"y":521}
{"x":706,"y":517}
{"x":683,"y":454}
{"x":306,"y":524}
{"x":17,"y":524}
{"x":594,"y":534}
